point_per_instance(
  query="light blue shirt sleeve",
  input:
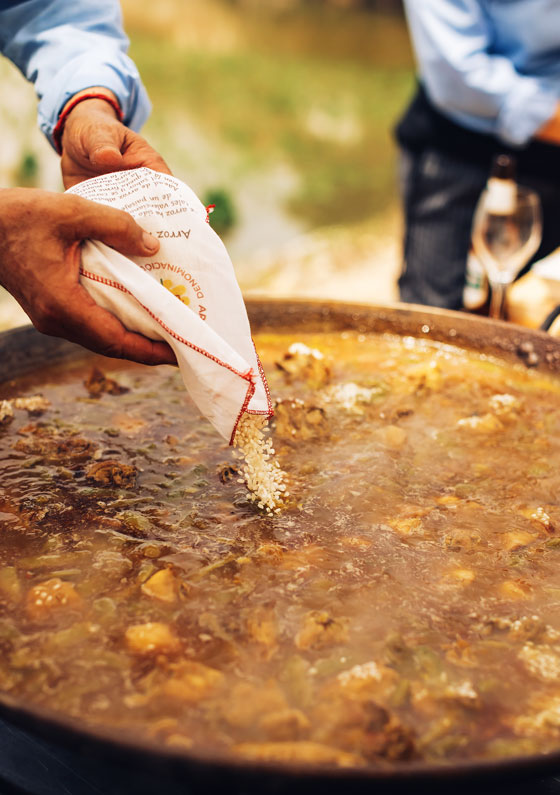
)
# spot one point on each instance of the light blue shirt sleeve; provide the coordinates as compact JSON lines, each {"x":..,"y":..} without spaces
{"x":64,"y":47}
{"x":470,"y":81}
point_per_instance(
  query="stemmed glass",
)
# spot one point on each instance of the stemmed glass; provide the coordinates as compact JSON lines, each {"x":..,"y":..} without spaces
{"x":505,"y":241}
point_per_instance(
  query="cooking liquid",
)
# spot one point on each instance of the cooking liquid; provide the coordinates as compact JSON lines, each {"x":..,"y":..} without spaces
{"x":404,"y":605}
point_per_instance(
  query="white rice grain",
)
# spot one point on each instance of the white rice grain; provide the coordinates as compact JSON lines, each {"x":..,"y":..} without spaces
{"x":260,"y":470}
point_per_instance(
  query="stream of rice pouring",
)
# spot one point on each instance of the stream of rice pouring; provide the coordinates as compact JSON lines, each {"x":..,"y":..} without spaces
{"x":260,"y":471}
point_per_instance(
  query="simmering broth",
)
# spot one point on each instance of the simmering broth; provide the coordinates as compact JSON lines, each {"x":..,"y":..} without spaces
{"x":404,"y":605}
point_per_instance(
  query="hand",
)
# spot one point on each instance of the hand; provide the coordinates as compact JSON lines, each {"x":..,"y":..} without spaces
{"x":550,"y":130}
{"x":95,"y":142}
{"x":40,"y":254}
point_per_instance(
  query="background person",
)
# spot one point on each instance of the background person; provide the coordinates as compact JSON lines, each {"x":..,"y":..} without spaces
{"x":489,"y":73}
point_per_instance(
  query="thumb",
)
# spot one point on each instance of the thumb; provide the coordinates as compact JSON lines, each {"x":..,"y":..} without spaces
{"x":104,"y":147}
{"x":115,"y":228}
{"x":106,"y":158}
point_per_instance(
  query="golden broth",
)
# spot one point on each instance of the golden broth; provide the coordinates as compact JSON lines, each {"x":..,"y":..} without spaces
{"x":404,"y":605}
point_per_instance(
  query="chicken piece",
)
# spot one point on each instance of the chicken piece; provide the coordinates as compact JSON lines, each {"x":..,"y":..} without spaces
{"x":515,"y":589}
{"x":296,"y":420}
{"x":408,"y":527}
{"x":320,"y":631}
{"x":462,"y":538}
{"x":534,"y":629}
{"x":505,"y":406}
{"x":192,"y":682}
{"x":540,"y":517}
{"x":51,"y":596}
{"x":162,"y":586}
{"x":112,"y":473}
{"x":247,"y":703}
{"x":6,"y":412}
{"x":303,"y":752}
{"x":370,"y":679}
{"x":358,"y":542}
{"x":53,"y":446}
{"x":153,"y":637}
{"x":516,"y":539}
{"x":423,"y":377}
{"x":285,"y":724}
{"x":360,"y":674}
{"x":542,"y":661}
{"x":75,"y":449}
{"x":459,"y":576}
{"x":305,"y":364}
{"x":355,"y":722}
{"x":487,"y":423}
{"x":441,"y":697}
{"x":97,"y":384}
{"x":35,"y":405}
{"x":544,"y":723}
{"x":463,"y":694}
{"x":391,"y":436}
{"x":448,"y":500}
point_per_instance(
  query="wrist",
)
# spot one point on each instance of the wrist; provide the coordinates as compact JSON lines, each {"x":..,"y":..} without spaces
{"x":96,"y":100}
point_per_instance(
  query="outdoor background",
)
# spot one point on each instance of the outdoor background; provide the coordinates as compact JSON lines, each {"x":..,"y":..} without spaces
{"x":278,"y":111}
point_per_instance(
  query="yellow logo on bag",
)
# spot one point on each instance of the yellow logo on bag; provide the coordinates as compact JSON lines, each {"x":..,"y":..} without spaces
{"x":178,"y":291}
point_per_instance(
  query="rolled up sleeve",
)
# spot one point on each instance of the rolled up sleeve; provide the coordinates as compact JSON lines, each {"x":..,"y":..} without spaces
{"x":64,"y":47}
{"x":466,"y":81}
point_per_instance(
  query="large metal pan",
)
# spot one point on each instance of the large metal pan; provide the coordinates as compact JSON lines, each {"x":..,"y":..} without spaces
{"x":24,"y":349}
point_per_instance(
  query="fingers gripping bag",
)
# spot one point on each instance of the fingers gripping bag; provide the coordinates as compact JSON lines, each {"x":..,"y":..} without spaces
{"x":187,"y":295}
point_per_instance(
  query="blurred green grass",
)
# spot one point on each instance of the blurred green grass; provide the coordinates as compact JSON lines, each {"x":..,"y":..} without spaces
{"x":317,"y":92}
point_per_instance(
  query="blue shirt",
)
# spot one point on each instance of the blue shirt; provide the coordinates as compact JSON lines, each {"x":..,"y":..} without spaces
{"x":492,"y":66}
{"x":63,"y":47}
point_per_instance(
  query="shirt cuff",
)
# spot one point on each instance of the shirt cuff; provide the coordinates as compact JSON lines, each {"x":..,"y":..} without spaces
{"x":524,"y":111}
{"x":125,"y":85}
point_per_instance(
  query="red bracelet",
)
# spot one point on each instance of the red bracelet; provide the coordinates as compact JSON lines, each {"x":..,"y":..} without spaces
{"x":59,"y":129}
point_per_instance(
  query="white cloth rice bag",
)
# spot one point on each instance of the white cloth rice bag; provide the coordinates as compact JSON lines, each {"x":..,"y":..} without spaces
{"x":186,"y":294}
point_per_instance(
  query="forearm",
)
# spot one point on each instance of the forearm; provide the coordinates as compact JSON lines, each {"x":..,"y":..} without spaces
{"x":64,"y":48}
{"x":477,"y":87}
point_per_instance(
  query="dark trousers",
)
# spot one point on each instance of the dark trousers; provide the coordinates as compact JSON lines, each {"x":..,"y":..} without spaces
{"x":439,"y":193}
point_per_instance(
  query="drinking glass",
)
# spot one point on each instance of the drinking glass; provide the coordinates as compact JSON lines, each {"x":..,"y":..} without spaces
{"x":505,"y":242}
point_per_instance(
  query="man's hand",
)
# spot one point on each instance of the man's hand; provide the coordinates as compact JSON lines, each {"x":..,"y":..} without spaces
{"x":550,"y":130}
{"x":40,"y":253}
{"x":95,"y":142}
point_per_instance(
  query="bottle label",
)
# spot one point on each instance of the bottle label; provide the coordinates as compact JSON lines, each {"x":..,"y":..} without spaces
{"x":475,"y":291}
{"x":501,"y":197}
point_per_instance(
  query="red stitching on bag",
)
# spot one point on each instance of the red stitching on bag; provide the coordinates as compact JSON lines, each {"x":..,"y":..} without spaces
{"x":247,"y":376}
{"x":265,"y":383}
